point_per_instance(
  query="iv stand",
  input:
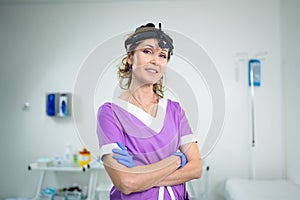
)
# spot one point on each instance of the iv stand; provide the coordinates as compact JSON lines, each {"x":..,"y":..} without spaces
{"x":253,"y":163}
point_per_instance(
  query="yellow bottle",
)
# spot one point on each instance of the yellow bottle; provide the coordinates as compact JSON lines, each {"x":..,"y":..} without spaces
{"x":84,"y":157}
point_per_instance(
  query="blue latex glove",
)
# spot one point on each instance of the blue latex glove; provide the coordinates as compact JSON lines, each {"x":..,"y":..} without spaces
{"x":122,"y":156}
{"x":183,"y":158}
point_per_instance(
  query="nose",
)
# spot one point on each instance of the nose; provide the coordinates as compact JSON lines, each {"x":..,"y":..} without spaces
{"x":155,"y":59}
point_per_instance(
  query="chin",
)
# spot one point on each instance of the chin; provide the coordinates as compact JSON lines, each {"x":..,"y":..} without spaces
{"x":151,"y":82}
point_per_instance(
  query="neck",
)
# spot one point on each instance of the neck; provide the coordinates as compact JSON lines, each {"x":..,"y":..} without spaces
{"x":144,"y":98}
{"x":144,"y":94}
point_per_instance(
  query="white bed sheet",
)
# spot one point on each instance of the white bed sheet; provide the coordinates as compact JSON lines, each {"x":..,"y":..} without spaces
{"x":245,"y":189}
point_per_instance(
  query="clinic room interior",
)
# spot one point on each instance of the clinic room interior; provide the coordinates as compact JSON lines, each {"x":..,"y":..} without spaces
{"x":234,"y":70}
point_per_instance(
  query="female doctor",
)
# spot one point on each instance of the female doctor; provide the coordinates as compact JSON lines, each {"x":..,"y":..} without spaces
{"x":146,"y":143}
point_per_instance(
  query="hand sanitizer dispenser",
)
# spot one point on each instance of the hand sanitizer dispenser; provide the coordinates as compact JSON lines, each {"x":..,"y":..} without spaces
{"x":58,"y":104}
{"x":51,"y":104}
{"x":63,"y":105}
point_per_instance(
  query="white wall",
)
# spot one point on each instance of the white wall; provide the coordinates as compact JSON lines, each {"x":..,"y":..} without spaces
{"x":44,"y":44}
{"x":291,"y":64}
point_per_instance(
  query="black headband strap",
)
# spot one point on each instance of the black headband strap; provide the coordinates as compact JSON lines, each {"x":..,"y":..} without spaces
{"x":164,"y":41}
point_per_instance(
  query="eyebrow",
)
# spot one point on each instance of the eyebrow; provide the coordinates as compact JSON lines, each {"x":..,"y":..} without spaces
{"x":151,"y":46}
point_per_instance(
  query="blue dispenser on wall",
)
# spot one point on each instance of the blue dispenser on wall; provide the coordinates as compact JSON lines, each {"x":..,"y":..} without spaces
{"x":51,"y":110}
{"x":58,"y":104}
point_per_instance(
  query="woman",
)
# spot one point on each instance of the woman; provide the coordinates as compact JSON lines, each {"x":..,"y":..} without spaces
{"x":146,"y":143}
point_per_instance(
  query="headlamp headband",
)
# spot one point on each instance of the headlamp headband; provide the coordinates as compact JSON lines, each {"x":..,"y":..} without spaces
{"x":149,"y":31}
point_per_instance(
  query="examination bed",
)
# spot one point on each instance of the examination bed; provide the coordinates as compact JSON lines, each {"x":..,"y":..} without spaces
{"x":246,"y":189}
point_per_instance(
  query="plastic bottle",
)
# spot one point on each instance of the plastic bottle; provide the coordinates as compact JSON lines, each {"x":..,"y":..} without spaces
{"x":68,"y":158}
{"x":75,"y":157}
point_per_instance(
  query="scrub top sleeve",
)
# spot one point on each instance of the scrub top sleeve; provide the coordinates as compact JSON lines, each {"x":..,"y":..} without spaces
{"x":109,"y":129}
{"x":185,"y":130}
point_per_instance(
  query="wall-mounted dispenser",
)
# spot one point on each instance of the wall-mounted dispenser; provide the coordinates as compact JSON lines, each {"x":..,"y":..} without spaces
{"x":254,"y":72}
{"x":58,"y":104}
{"x":51,"y":110}
{"x":63,"y":105}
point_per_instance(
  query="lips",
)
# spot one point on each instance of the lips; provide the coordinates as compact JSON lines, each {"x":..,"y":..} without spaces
{"x":151,"y":70}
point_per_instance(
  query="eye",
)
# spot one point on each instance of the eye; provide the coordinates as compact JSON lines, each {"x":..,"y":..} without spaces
{"x":162,"y":55}
{"x":147,"y":51}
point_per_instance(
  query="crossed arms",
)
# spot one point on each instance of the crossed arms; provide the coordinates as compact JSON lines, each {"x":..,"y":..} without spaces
{"x":162,"y":173}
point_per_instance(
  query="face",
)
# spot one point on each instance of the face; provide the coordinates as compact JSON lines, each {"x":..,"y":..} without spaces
{"x":148,"y":62}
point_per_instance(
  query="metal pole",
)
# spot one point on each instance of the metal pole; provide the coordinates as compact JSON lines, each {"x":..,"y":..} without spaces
{"x":253,"y":164}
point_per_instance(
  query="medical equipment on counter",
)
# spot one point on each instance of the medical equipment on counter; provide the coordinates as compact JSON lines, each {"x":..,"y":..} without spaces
{"x":93,"y":167}
{"x":84,"y":157}
{"x":68,"y":157}
{"x":44,"y":162}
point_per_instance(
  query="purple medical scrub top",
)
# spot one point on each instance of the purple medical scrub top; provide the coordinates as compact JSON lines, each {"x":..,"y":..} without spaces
{"x":149,"y":139}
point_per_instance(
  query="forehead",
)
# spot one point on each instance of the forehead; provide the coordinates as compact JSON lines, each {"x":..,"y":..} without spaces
{"x":152,"y":42}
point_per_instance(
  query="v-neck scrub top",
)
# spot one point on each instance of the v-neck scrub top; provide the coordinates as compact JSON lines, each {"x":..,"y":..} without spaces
{"x":149,"y":139}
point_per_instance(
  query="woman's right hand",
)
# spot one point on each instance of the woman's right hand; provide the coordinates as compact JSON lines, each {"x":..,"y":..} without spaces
{"x":122,"y":156}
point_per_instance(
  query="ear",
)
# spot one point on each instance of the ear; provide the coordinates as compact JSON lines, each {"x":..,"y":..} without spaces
{"x":129,"y":58}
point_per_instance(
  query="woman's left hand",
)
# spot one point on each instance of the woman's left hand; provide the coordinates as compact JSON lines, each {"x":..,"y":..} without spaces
{"x":182,"y":156}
